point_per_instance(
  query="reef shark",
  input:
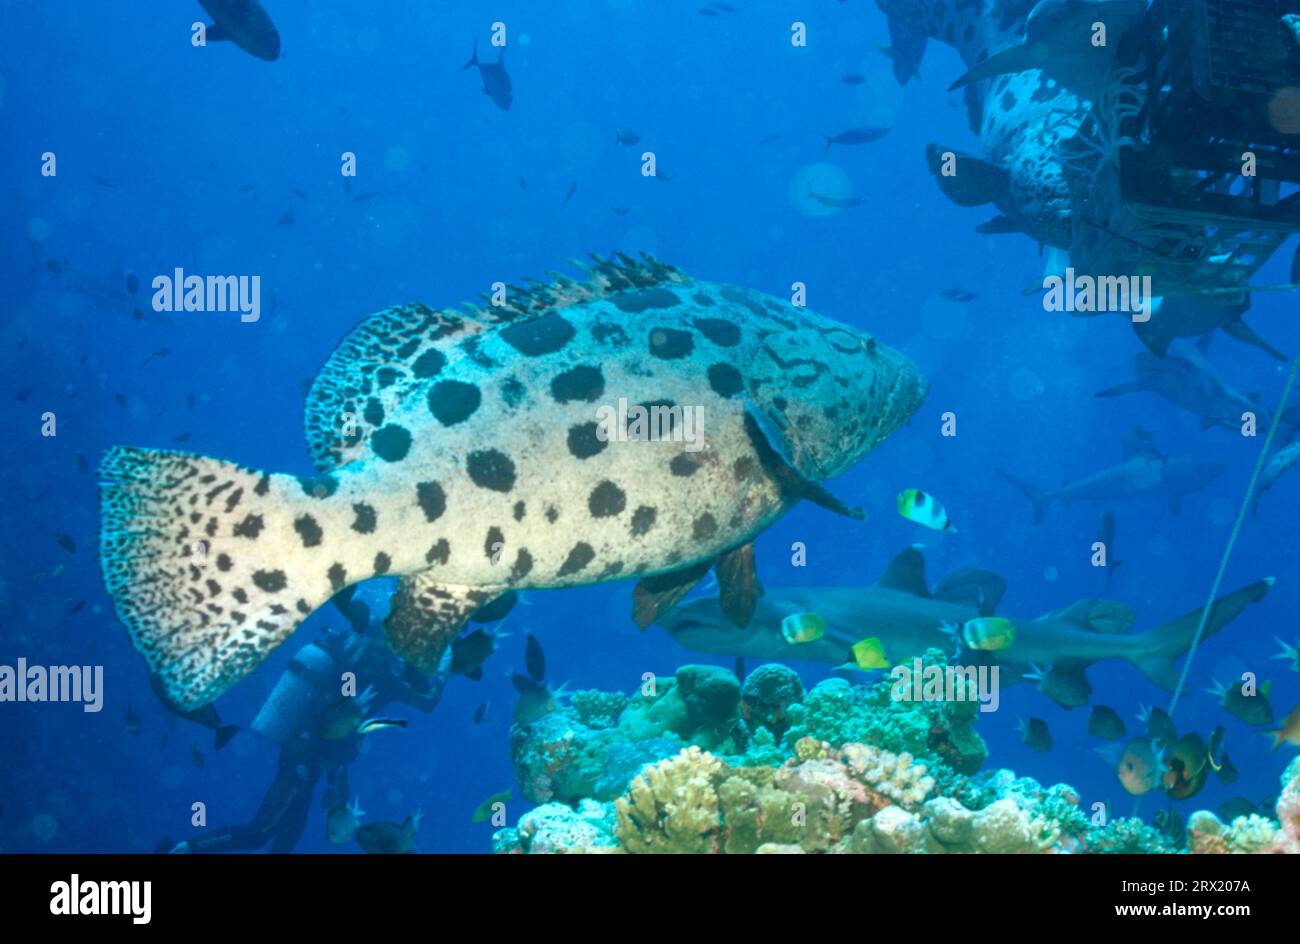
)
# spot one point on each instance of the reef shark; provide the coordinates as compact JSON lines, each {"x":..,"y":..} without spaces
{"x":1142,"y":475}
{"x":908,"y":618}
{"x":1185,"y":378}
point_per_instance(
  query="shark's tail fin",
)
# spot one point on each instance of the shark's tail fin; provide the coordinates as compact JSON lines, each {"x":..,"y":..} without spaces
{"x":1155,"y":651}
{"x":1038,"y":499}
{"x":473,"y":58}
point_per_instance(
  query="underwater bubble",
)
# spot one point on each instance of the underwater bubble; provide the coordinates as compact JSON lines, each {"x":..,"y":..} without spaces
{"x":1025,"y":384}
{"x":1284,"y":110}
{"x":1222,"y":512}
{"x":823,"y":178}
{"x":581,"y":143}
{"x":171,"y":777}
{"x":397,"y":158}
{"x":942,"y":319}
{"x":369,"y":39}
{"x":37,"y":229}
{"x":44,"y":827}
{"x":1050,"y":574}
{"x":1158,"y":546}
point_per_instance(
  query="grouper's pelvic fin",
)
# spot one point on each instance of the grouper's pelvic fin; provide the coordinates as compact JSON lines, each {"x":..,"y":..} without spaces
{"x":1154,"y":651}
{"x":654,"y":596}
{"x":738,"y":586}
{"x":211,"y":565}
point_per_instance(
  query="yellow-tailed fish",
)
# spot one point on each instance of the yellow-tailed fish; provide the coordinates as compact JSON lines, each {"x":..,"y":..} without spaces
{"x":485,"y":809}
{"x":802,"y":627}
{"x":924,"y":509}
{"x":870,"y":654}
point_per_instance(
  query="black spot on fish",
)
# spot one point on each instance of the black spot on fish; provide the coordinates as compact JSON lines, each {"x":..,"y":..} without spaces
{"x":374,"y":413}
{"x":725,"y":380}
{"x":337,"y":576}
{"x":578,"y":383}
{"x":439,"y":553}
{"x":319,"y":486}
{"x":606,"y":500}
{"x":704,"y":301}
{"x":491,"y":469}
{"x":523,"y":564}
{"x":365,"y":518}
{"x":743,"y":468}
{"x":224,"y":562}
{"x":583,"y":441}
{"x":683,"y":464}
{"x":308,"y":530}
{"x":250,"y":527}
{"x":382,"y":563}
{"x":493,"y":543}
{"x":552,"y":514}
{"x":429,"y":363}
{"x":303,"y":607}
{"x":671,"y":343}
{"x":453,"y":401}
{"x":240,"y":595}
{"x":721,"y":333}
{"x":432,"y":499}
{"x":581,"y":555}
{"x":737,"y":297}
{"x":513,"y":392}
{"x":269,"y":581}
{"x":520,"y":508}
{"x":705,"y":527}
{"x":645,"y":300}
{"x":643,"y":520}
{"x":263,"y":485}
{"x":391,"y":443}
{"x":607,"y":333}
{"x":1009,"y":101}
{"x":544,"y":335}
{"x":612,"y":569}
{"x":387,"y":376}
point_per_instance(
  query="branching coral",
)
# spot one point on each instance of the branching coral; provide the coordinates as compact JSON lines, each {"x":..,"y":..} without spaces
{"x":672,"y":806}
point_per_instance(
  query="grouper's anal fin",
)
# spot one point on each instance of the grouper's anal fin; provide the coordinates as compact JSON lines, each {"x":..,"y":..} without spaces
{"x":906,"y":573}
{"x":738,"y":586}
{"x":427,"y":615}
{"x":654,"y":596}
{"x":783,"y":461}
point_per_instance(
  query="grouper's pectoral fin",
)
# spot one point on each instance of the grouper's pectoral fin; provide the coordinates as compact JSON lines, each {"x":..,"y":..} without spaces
{"x":427,"y":615}
{"x":1013,"y":59}
{"x":654,"y":596}
{"x":785,"y":462}
{"x":738,"y":586}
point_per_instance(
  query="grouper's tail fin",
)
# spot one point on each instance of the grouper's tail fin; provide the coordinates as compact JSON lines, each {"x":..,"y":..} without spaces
{"x":1154,"y":652}
{"x":1038,"y":499}
{"x":212,"y":565}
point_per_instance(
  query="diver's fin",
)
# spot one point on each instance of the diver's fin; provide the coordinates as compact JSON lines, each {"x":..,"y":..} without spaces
{"x":738,"y":586}
{"x":978,"y":589}
{"x":976,"y":182}
{"x":1157,"y":649}
{"x":1013,"y":59}
{"x":1236,"y":328}
{"x":1037,"y":498}
{"x":1121,"y":389}
{"x":906,"y":572}
{"x":426,"y":616}
{"x":654,"y":596}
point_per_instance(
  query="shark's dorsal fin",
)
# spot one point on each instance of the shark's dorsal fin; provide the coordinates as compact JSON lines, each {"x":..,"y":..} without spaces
{"x":978,"y":589}
{"x":906,"y":573}
{"x":1098,"y":616}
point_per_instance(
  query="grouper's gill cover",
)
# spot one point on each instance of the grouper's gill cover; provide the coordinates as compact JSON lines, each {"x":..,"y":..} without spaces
{"x":459,"y":450}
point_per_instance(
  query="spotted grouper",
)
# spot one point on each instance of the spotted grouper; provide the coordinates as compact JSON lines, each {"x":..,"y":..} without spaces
{"x":469,"y":452}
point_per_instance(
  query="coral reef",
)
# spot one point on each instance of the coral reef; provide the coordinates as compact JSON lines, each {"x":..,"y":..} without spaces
{"x":1207,"y":834}
{"x":767,"y":695}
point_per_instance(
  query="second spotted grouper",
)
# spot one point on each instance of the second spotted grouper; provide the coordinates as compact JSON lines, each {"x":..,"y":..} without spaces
{"x":469,"y":452}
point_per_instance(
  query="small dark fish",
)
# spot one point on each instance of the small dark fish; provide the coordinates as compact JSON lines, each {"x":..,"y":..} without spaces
{"x":479,"y":712}
{"x":1186,"y":768}
{"x":1159,"y":726}
{"x":297,"y":193}
{"x":496,"y":81}
{"x":25,"y":392}
{"x":957,"y":295}
{"x":573,"y":188}
{"x":161,"y":352}
{"x":1252,"y":709}
{"x":121,"y":400}
{"x":247,"y":188}
{"x":1227,"y":770}
{"x":54,"y":266}
{"x":1237,"y":806}
{"x":524,"y":684}
{"x":132,"y":283}
{"x":853,"y":78}
{"x":534,"y":658}
{"x":286,"y":218}
{"x":855,"y":136}
{"x":468,"y":653}
{"x":385,"y":838}
{"x":206,"y":716}
{"x":66,"y":542}
{"x":771,"y":137}
{"x":190,"y":400}
{"x":523,"y":183}
{"x":137,"y":313}
{"x":626,"y":137}
{"x":1170,"y":825}
{"x":107,"y":184}
{"x":196,"y":757}
{"x":1105,"y":722}
{"x":1036,"y":735}
{"x":246,"y":24}
{"x":132,"y":721}
{"x":183,"y":437}
{"x":363,"y":197}
{"x":381,"y":724}
{"x":77,"y":607}
{"x":83,"y":464}
{"x":836,"y":203}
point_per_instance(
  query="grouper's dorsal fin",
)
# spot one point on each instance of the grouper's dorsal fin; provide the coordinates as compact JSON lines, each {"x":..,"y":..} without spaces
{"x":978,"y":589}
{"x":1098,"y":616}
{"x":906,"y":572}
{"x":398,"y":350}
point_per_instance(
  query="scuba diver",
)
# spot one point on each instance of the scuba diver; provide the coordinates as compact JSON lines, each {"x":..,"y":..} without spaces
{"x":319,"y":725}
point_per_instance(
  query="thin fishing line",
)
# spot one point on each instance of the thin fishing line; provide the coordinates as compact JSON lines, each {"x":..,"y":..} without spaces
{"x":1232,"y":538}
